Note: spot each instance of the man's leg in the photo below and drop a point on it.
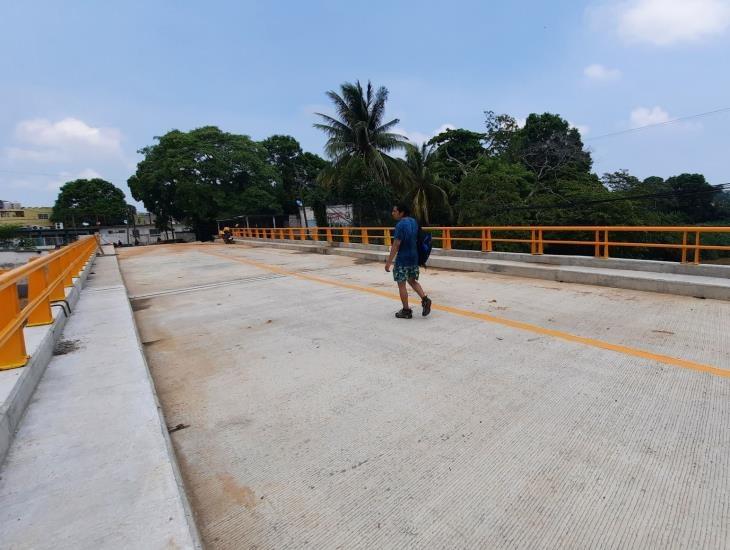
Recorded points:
(403, 290)
(417, 287)
(425, 300)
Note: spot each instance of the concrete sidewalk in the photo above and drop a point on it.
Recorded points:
(90, 466)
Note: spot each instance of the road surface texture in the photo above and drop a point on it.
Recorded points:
(520, 414)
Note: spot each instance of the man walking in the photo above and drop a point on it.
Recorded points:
(405, 252)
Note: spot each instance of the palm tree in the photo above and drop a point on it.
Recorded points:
(425, 189)
(359, 134)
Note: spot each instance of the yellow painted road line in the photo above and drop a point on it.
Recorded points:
(528, 327)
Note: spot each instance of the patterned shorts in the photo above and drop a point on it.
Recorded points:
(401, 274)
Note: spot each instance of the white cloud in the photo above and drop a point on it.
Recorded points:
(64, 177)
(643, 116)
(665, 22)
(601, 73)
(68, 133)
(417, 138)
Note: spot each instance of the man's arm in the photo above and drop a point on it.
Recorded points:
(393, 252)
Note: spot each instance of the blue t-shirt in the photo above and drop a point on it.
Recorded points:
(406, 231)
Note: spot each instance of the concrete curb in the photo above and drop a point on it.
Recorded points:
(14, 406)
(703, 281)
(175, 466)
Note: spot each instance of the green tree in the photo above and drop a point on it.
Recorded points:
(550, 148)
(358, 135)
(501, 131)
(492, 193)
(694, 197)
(457, 151)
(92, 201)
(10, 231)
(425, 189)
(204, 175)
(298, 170)
(620, 180)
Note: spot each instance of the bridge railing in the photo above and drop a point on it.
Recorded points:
(601, 239)
(46, 278)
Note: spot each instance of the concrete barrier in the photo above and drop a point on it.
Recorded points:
(17, 385)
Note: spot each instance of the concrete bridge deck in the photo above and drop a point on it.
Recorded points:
(521, 414)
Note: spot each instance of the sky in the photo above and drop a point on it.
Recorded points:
(85, 84)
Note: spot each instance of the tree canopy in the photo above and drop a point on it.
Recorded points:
(91, 201)
(359, 134)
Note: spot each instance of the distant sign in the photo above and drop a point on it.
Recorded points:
(339, 214)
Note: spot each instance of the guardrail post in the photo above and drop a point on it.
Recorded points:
(291, 233)
(489, 240)
(697, 247)
(533, 244)
(37, 284)
(54, 272)
(684, 247)
(597, 243)
(364, 236)
(68, 280)
(302, 236)
(328, 234)
(346, 234)
(447, 239)
(484, 240)
(539, 241)
(12, 351)
(387, 237)
(605, 243)
(315, 233)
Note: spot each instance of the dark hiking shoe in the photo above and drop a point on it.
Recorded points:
(405, 314)
(426, 303)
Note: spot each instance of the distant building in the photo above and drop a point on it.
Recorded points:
(144, 218)
(144, 233)
(31, 217)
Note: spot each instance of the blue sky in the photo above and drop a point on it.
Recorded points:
(83, 85)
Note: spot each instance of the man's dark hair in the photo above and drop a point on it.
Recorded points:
(403, 208)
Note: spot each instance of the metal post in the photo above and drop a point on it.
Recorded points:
(697, 247)
(37, 284)
(533, 244)
(12, 352)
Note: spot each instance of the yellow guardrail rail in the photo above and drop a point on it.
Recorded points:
(601, 238)
(46, 277)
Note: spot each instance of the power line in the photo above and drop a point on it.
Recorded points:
(666, 122)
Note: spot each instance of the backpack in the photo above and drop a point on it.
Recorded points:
(424, 246)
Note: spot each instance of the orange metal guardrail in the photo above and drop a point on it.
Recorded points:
(47, 277)
(601, 238)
